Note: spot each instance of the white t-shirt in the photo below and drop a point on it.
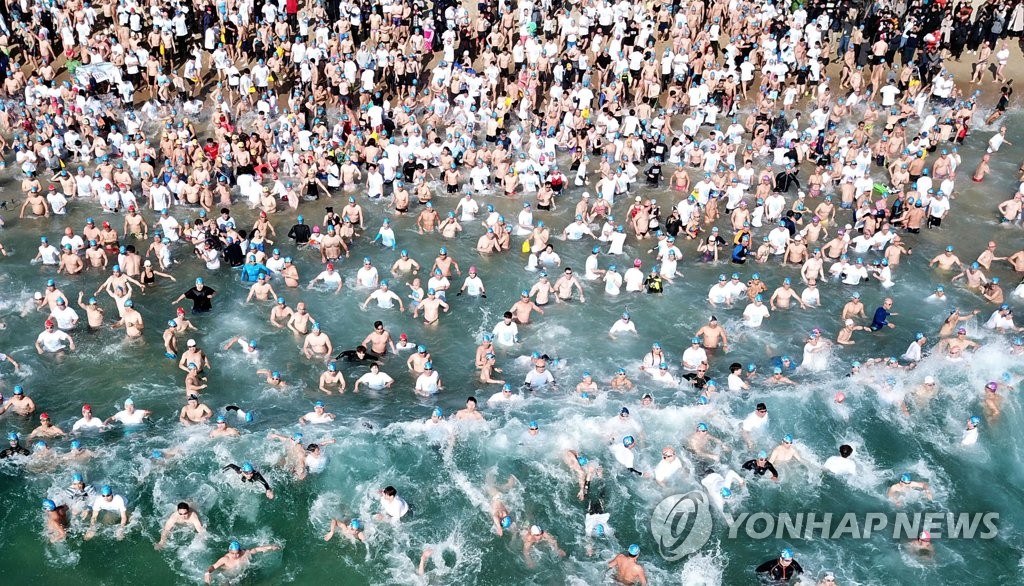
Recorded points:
(754, 422)
(115, 504)
(134, 418)
(754, 314)
(377, 380)
(314, 417)
(396, 508)
(840, 465)
(53, 341)
(623, 455)
(666, 468)
(91, 423)
(505, 334)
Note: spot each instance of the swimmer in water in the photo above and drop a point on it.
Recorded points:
(970, 435)
(108, 502)
(182, 515)
(57, 520)
(248, 474)
(922, 547)
(353, 530)
(627, 569)
(785, 452)
(236, 559)
(535, 536)
(904, 486)
(782, 569)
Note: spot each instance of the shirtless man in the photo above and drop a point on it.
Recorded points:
(566, 283)
(947, 260)
(317, 344)
(223, 429)
(784, 296)
(845, 336)
(430, 307)
(290, 273)
(522, 309)
(332, 377)
(279, 313)
(469, 413)
(713, 335)
(182, 515)
(853, 308)
(404, 264)
(194, 412)
(535, 536)
(300, 321)
(236, 559)
(427, 219)
(131, 320)
(93, 313)
(543, 290)
(379, 340)
(261, 289)
(627, 569)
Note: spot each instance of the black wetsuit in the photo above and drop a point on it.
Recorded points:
(353, 356)
(300, 233)
(779, 572)
(13, 451)
(256, 476)
(760, 470)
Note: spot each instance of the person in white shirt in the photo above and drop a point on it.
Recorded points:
(854, 274)
(613, 281)
(65, 317)
(539, 377)
(719, 487)
(668, 467)
(506, 332)
(473, 285)
(694, 356)
(970, 436)
(755, 313)
(129, 415)
(108, 501)
(504, 397)
(87, 421)
(317, 416)
(385, 298)
(755, 421)
(53, 340)
(375, 379)
(428, 383)
(394, 506)
(623, 325)
(842, 464)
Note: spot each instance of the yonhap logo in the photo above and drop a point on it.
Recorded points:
(681, 524)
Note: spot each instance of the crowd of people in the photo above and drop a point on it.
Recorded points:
(822, 137)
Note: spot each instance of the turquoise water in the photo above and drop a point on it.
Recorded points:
(381, 439)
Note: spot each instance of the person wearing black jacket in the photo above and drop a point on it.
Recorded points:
(300, 233)
(782, 569)
(246, 473)
(760, 465)
(15, 448)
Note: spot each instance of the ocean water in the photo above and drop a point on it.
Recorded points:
(381, 440)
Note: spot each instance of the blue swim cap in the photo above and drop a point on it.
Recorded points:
(762, 455)
(12, 436)
(599, 530)
(333, 366)
(582, 460)
(975, 420)
(702, 426)
(221, 419)
(297, 436)
(280, 300)
(663, 365)
(40, 444)
(106, 491)
(356, 524)
(787, 554)
(702, 400)
(234, 546)
(506, 522)
(584, 395)
(788, 438)
(247, 467)
(438, 412)
(428, 365)
(318, 404)
(534, 425)
(695, 340)
(634, 550)
(906, 478)
(299, 219)
(49, 505)
(595, 250)
(628, 441)
(726, 493)
(75, 444)
(172, 323)
(77, 477)
(19, 390)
